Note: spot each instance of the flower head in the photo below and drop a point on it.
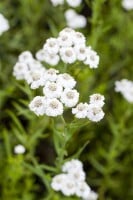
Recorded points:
(4, 24)
(38, 105)
(95, 113)
(19, 149)
(70, 97)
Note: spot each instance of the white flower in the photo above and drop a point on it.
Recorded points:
(66, 80)
(77, 174)
(19, 149)
(97, 99)
(68, 55)
(74, 20)
(127, 4)
(51, 59)
(92, 58)
(4, 24)
(81, 110)
(20, 69)
(57, 2)
(73, 164)
(92, 196)
(82, 190)
(80, 52)
(68, 187)
(35, 78)
(40, 55)
(69, 14)
(65, 39)
(78, 39)
(52, 90)
(25, 57)
(74, 3)
(95, 113)
(70, 97)
(126, 88)
(38, 105)
(51, 46)
(51, 74)
(54, 107)
(58, 181)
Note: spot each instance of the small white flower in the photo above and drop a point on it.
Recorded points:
(74, 3)
(92, 59)
(52, 59)
(58, 181)
(97, 99)
(80, 52)
(77, 174)
(54, 107)
(68, 187)
(81, 110)
(78, 39)
(25, 57)
(4, 24)
(20, 69)
(38, 105)
(35, 78)
(70, 97)
(92, 196)
(82, 189)
(73, 164)
(41, 54)
(66, 80)
(51, 46)
(51, 74)
(74, 20)
(52, 90)
(19, 149)
(69, 14)
(68, 55)
(127, 4)
(126, 88)
(57, 2)
(95, 113)
(65, 39)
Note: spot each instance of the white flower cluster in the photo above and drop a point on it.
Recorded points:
(69, 46)
(74, 20)
(93, 111)
(4, 25)
(127, 4)
(58, 90)
(29, 69)
(125, 87)
(72, 3)
(72, 181)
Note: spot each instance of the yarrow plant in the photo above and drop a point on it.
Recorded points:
(125, 87)
(4, 24)
(72, 181)
(59, 94)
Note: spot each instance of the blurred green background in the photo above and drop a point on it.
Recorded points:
(108, 155)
